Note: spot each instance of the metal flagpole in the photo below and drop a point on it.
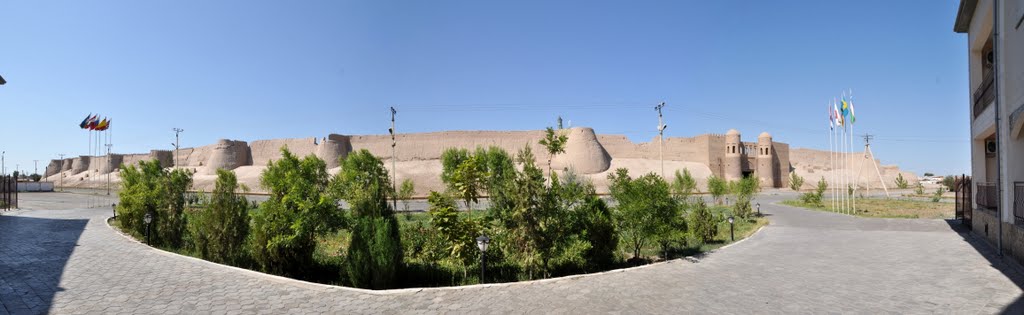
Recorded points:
(856, 177)
(842, 150)
(832, 153)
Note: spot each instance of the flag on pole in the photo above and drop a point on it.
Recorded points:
(845, 107)
(93, 124)
(102, 125)
(853, 119)
(85, 122)
(831, 117)
(835, 111)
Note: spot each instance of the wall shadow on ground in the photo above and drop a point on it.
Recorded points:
(1012, 270)
(33, 256)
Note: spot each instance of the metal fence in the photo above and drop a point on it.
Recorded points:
(1018, 202)
(8, 192)
(986, 196)
(964, 202)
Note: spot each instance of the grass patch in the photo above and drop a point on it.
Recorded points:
(890, 208)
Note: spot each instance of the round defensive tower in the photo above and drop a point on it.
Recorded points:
(166, 157)
(332, 150)
(80, 164)
(68, 162)
(583, 153)
(227, 154)
(732, 165)
(111, 162)
(765, 167)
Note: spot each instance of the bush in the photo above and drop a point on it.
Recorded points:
(219, 231)
(938, 194)
(458, 233)
(284, 228)
(152, 189)
(795, 181)
(702, 223)
(814, 198)
(375, 254)
(900, 182)
(919, 189)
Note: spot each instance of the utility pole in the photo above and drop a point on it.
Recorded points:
(36, 162)
(177, 144)
(868, 153)
(394, 170)
(661, 137)
(108, 163)
(3, 163)
(61, 171)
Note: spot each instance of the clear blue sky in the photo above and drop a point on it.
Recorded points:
(252, 70)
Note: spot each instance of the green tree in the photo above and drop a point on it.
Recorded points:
(701, 222)
(683, 185)
(375, 252)
(451, 158)
(900, 182)
(554, 142)
(919, 189)
(405, 193)
(717, 187)
(219, 231)
(468, 180)
(950, 182)
(928, 174)
(745, 189)
(152, 189)
(284, 228)
(646, 210)
(795, 181)
(457, 232)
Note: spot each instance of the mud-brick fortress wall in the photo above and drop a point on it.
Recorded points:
(586, 151)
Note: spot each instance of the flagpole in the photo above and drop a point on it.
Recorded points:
(842, 192)
(831, 127)
(857, 177)
(832, 157)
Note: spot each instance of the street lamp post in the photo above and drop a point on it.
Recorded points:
(61, 170)
(732, 236)
(148, 218)
(177, 145)
(481, 243)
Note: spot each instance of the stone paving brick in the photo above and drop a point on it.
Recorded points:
(65, 260)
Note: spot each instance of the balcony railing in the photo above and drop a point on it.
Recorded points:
(983, 96)
(986, 196)
(1018, 202)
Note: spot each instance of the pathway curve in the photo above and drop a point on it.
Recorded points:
(61, 258)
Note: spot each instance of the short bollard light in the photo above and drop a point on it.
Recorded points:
(732, 236)
(481, 243)
(148, 218)
(113, 207)
(758, 209)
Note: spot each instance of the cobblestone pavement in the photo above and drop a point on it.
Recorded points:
(62, 258)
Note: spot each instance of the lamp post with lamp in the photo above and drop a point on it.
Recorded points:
(148, 218)
(481, 243)
(732, 236)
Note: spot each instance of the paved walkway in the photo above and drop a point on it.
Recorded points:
(64, 259)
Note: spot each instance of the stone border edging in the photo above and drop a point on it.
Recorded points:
(328, 287)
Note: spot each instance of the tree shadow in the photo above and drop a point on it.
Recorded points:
(1010, 269)
(33, 256)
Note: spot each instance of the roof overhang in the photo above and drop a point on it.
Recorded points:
(964, 16)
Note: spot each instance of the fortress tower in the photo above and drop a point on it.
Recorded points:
(732, 164)
(765, 167)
